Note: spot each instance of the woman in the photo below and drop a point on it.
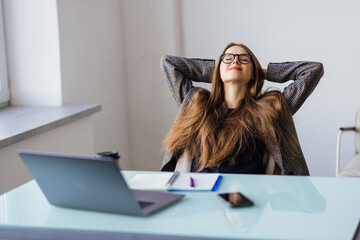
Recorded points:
(236, 128)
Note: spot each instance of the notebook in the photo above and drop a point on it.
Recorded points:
(183, 182)
(90, 183)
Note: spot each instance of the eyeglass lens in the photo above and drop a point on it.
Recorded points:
(229, 58)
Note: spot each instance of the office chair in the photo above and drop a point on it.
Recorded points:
(352, 167)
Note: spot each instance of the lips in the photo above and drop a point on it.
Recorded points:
(235, 68)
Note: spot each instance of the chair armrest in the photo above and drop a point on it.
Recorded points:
(347, 129)
(338, 147)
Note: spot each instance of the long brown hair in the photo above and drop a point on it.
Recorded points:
(204, 128)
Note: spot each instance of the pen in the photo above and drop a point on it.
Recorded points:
(172, 179)
(192, 183)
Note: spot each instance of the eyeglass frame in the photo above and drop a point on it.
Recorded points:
(234, 56)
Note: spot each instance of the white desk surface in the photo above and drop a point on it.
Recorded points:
(286, 207)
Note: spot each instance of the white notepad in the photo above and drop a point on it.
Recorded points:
(157, 181)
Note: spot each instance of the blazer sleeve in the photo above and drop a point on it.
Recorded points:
(180, 72)
(306, 76)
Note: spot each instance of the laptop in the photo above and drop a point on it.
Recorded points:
(91, 183)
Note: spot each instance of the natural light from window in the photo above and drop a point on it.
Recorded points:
(4, 89)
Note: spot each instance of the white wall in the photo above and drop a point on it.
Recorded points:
(33, 52)
(151, 29)
(92, 68)
(4, 86)
(68, 52)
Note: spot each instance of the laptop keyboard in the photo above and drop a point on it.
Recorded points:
(144, 204)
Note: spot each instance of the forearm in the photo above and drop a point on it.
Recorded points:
(179, 74)
(306, 76)
(194, 69)
(283, 72)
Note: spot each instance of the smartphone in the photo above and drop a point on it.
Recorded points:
(236, 199)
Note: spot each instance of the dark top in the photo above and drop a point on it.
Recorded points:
(248, 160)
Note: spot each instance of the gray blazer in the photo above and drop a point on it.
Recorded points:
(180, 73)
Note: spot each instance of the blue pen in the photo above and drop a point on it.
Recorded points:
(192, 183)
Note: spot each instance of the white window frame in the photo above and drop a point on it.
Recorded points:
(4, 86)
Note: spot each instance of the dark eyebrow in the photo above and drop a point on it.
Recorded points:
(237, 54)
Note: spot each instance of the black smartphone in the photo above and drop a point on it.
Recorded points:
(235, 199)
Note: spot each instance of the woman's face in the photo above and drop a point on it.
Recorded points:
(236, 70)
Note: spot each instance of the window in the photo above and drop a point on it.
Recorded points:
(4, 87)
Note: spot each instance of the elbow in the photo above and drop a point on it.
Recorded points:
(165, 60)
(319, 69)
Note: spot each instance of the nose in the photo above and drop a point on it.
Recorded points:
(236, 60)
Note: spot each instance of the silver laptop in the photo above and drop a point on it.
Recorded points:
(90, 183)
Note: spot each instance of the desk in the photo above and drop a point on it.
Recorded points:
(286, 207)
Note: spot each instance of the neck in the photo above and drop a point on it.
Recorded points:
(234, 93)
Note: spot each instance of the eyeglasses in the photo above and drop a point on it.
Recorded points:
(229, 58)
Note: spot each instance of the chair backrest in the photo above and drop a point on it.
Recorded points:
(357, 133)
